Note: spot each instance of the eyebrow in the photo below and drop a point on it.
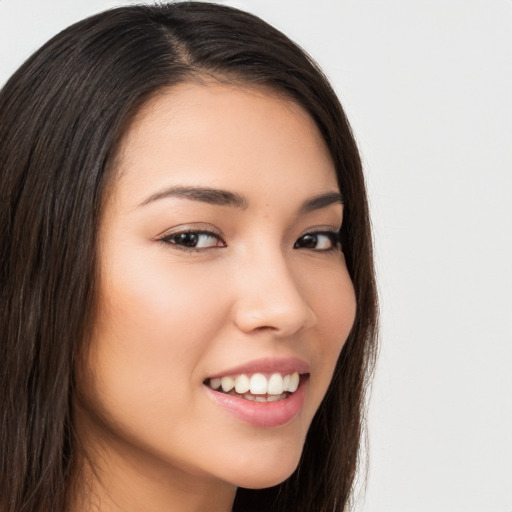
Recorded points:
(203, 194)
(320, 201)
(221, 197)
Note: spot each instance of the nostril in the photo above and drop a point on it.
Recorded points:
(265, 328)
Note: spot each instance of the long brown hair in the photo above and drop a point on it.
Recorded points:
(61, 117)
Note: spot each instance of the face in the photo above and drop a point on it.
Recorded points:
(224, 297)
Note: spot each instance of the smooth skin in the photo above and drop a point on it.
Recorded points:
(191, 286)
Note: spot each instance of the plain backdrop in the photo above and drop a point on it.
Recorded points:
(427, 86)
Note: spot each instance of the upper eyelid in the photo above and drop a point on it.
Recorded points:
(322, 229)
(166, 240)
(169, 236)
(206, 229)
(335, 232)
(217, 233)
(192, 231)
(187, 228)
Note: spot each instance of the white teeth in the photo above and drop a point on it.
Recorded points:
(228, 383)
(215, 383)
(258, 384)
(275, 384)
(242, 384)
(294, 382)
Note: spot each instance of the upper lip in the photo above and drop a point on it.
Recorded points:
(285, 366)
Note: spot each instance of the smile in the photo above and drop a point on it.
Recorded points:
(266, 392)
(257, 387)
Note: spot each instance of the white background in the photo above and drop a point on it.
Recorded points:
(428, 88)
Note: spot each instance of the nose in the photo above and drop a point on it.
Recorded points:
(270, 298)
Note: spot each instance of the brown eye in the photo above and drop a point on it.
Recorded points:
(319, 241)
(194, 239)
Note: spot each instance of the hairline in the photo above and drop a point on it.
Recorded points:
(196, 75)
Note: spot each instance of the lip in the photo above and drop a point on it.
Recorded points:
(267, 365)
(262, 414)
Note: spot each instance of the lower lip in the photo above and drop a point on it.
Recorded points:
(263, 414)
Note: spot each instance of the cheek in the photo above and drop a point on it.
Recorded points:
(161, 300)
(148, 340)
(334, 304)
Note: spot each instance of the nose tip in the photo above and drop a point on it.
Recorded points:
(273, 302)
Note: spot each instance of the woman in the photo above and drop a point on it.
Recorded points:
(184, 324)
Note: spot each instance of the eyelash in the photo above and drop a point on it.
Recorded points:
(171, 239)
(333, 237)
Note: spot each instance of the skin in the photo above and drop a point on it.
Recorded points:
(170, 317)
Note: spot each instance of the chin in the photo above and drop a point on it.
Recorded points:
(262, 481)
(267, 473)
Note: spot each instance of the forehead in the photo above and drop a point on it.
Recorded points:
(225, 136)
